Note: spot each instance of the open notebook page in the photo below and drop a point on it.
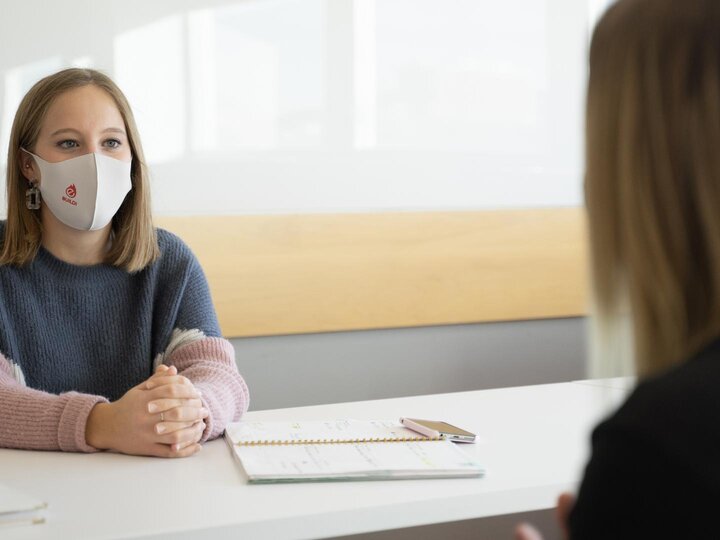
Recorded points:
(424, 459)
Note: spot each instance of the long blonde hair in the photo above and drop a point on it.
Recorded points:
(653, 174)
(135, 242)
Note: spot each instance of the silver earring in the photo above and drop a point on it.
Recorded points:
(32, 196)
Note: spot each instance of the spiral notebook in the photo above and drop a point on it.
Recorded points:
(345, 449)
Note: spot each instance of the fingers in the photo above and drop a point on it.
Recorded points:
(170, 427)
(525, 531)
(162, 405)
(163, 369)
(180, 415)
(185, 452)
(164, 379)
(173, 391)
(165, 451)
(182, 438)
(565, 503)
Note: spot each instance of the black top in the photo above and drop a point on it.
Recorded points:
(655, 465)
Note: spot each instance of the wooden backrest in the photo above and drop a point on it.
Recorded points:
(288, 274)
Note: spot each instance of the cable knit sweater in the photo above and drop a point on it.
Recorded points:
(73, 336)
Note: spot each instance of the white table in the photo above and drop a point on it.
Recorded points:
(533, 442)
(621, 383)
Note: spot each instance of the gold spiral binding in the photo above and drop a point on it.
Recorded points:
(281, 442)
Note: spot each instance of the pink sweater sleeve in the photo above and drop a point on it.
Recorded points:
(210, 364)
(35, 420)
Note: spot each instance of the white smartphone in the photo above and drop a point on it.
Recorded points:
(434, 428)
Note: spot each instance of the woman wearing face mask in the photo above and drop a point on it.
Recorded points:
(108, 337)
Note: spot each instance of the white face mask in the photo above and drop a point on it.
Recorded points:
(84, 192)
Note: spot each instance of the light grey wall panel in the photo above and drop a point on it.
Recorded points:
(291, 371)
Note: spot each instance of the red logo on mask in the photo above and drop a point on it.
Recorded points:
(71, 191)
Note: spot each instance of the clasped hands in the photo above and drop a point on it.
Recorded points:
(162, 416)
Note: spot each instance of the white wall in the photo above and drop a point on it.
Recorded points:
(310, 369)
(329, 105)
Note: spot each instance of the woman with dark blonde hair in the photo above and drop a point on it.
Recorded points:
(653, 199)
(108, 336)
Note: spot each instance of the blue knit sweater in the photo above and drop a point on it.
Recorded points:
(97, 329)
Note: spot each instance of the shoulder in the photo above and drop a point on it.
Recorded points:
(173, 250)
(654, 465)
(674, 414)
(176, 261)
(681, 392)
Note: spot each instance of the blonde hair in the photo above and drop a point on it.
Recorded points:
(653, 174)
(135, 243)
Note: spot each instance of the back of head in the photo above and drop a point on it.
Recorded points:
(653, 173)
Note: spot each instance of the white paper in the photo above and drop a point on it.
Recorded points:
(424, 459)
